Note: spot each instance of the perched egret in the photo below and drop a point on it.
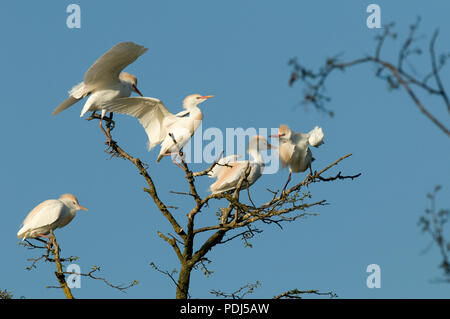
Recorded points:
(161, 126)
(49, 215)
(229, 171)
(104, 81)
(294, 148)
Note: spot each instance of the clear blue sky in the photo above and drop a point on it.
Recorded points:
(238, 51)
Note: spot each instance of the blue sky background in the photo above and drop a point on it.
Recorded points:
(238, 51)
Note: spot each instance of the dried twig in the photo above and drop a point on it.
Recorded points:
(52, 249)
(239, 293)
(296, 294)
(393, 73)
(433, 223)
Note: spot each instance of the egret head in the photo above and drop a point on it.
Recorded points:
(284, 133)
(71, 201)
(194, 99)
(130, 79)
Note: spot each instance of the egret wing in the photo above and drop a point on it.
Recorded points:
(182, 113)
(151, 113)
(221, 164)
(286, 150)
(107, 68)
(64, 105)
(46, 213)
(315, 137)
(78, 92)
(229, 177)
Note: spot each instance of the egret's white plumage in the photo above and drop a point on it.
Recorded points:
(49, 215)
(159, 122)
(104, 81)
(231, 171)
(294, 147)
(221, 164)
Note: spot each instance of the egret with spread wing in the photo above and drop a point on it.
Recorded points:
(294, 148)
(104, 81)
(49, 215)
(230, 171)
(172, 131)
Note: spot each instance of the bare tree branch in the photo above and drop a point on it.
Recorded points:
(239, 293)
(296, 294)
(52, 248)
(90, 274)
(433, 223)
(396, 77)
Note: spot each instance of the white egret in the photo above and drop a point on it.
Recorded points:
(163, 127)
(294, 148)
(104, 81)
(49, 215)
(230, 171)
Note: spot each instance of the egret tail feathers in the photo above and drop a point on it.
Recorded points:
(78, 92)
(64, 105)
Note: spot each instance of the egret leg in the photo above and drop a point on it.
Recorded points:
(166, 154)
(111, 123)
(173, 159)
(53, 240)
(104, 131)
(177, 164)
(289, 179)
(170, 154)
(101, 126)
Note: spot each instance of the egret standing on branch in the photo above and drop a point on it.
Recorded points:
(294, 148)
(49, 215)
(229, 171)
(104, 81)
(172, 131)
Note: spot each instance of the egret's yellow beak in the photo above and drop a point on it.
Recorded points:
(81, 207)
